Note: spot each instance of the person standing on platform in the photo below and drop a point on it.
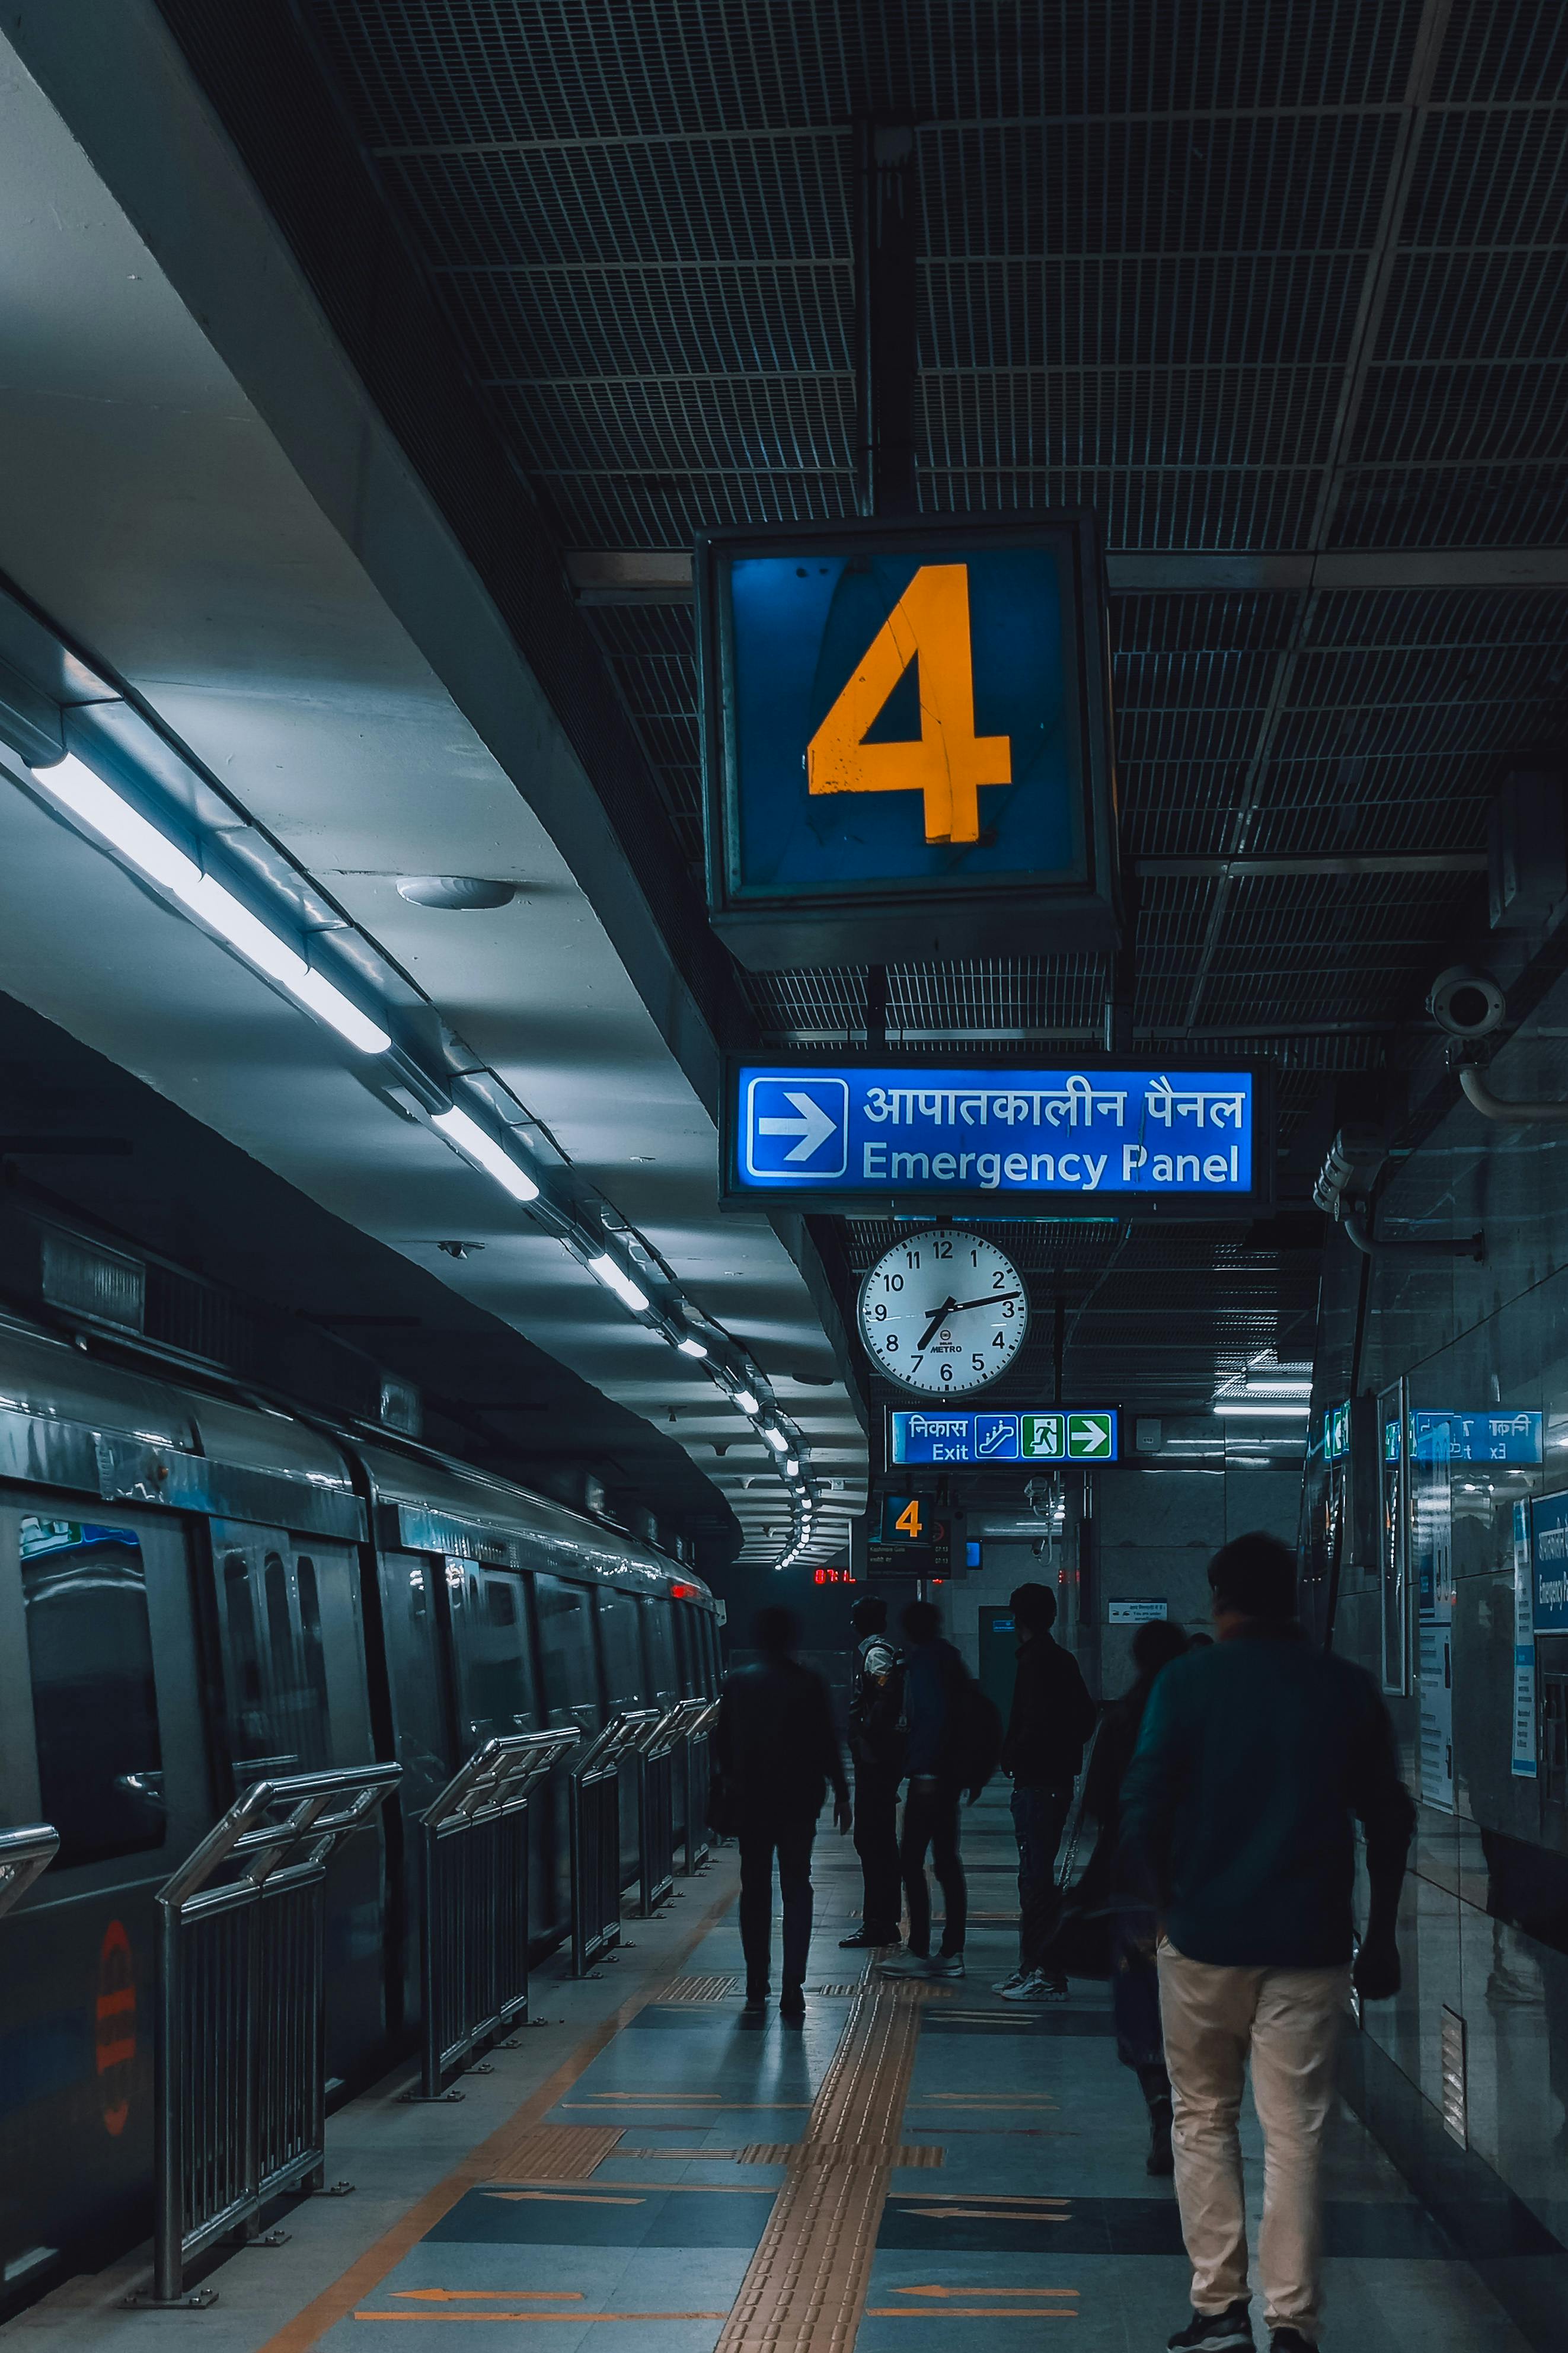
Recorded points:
(775, 1755)
(1134, 1980)
(877, 1749)
(1052, 1717)
(1236, 1813)
(943, 1707)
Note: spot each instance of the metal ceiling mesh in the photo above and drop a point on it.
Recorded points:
(1186, 261)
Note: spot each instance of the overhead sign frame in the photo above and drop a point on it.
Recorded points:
(978, 1438)
(832, 1183)
(807, 863)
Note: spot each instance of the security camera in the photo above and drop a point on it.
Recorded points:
(1466, 1003)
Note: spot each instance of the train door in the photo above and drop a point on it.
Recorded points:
(419, 1688)
(625, 1676)
(663, 1682)
(291, 1637)
(493, 1649)
(568, 1694)
(100, 1732)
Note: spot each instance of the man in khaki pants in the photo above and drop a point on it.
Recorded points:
(1237, 1815)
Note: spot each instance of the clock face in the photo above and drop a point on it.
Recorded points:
(944, 1312)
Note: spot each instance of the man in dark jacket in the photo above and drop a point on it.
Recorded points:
(777, 1753)
(934, 1676)
(877, 1745)
(1052, 1717)
(1236, 1813)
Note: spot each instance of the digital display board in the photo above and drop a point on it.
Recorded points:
(1187, 1140)
(907, 738)
(1036, 1434)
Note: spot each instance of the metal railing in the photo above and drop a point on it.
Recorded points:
(697, 1848)
(594, 1779)
(474, 1912)
(24, 1854)
(240, 2112)
(656, 1797)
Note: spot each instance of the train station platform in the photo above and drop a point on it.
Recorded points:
(918, 2167)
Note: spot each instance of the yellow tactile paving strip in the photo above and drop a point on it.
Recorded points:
(805, 2288)
(559, 2153)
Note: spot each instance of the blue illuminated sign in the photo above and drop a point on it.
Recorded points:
(1026, 1434)
(907, 727)
(1186, 1136)
(1493, 1437)
(1549, 1522)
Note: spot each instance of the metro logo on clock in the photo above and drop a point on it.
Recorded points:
(944, 1312)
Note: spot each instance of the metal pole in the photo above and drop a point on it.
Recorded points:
(168, 2121)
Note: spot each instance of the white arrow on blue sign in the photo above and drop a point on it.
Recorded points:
(797, 1126)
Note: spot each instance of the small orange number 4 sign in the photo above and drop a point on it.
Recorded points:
(948, 762)
(909, 1519)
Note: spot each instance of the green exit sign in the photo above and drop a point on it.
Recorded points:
(1067, 1436)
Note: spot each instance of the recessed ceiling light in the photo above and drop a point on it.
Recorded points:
(455, 894)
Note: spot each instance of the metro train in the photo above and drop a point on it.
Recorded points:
(197, 1591)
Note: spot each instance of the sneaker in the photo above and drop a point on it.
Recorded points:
(1010, 1985)
(1215, 2332)
(756, 1998)
(1036, 1990)
(905, 1964)
(792, 2002)
(1291, 2340)
(946, 1965)
(866, 1936)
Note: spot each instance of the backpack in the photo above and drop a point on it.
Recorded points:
(877, 1717)
(976, 1735)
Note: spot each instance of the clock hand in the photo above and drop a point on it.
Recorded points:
(934, 1326)
(991, 1299)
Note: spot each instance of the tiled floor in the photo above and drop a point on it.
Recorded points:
(733, 2212)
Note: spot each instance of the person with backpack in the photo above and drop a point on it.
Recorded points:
(1134, 1980)
(877, 1746)
(1052, 1717)
(953, 1736)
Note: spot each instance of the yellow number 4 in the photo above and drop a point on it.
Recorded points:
(950, 761)
(909, 1519)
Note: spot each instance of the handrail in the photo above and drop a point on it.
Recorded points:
(499, 1777)
(239, 2113)
(1478, 1093)
(310, 1824)
(620, 1735)
(24, 1853)
(1357, 1232)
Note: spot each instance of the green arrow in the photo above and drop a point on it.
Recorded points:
(1089, 1433)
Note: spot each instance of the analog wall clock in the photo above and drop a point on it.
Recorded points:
(944, 1312)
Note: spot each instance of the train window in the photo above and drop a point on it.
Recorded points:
(566, 1652)
(419, 1691)
(685, 1638)
(621, 1652)
(279, 1711)
(95, 1710)
(492, 1637)
(658, 1639)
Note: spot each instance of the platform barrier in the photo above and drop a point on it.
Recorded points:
(695, 1764)
(594, 1779)
(661, 1755)
(24, 1853)
(474, 1924)
(239, 2108)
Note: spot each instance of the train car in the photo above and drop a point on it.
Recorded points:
(198, 1590)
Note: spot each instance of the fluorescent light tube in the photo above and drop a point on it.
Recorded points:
(74, 785)
(746, 1402)
(791, 1467)
(476, 1143)
(615, 1278)
(1261, 1386)
(777, 1440)
(1262, 1412)
(689, 1347)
